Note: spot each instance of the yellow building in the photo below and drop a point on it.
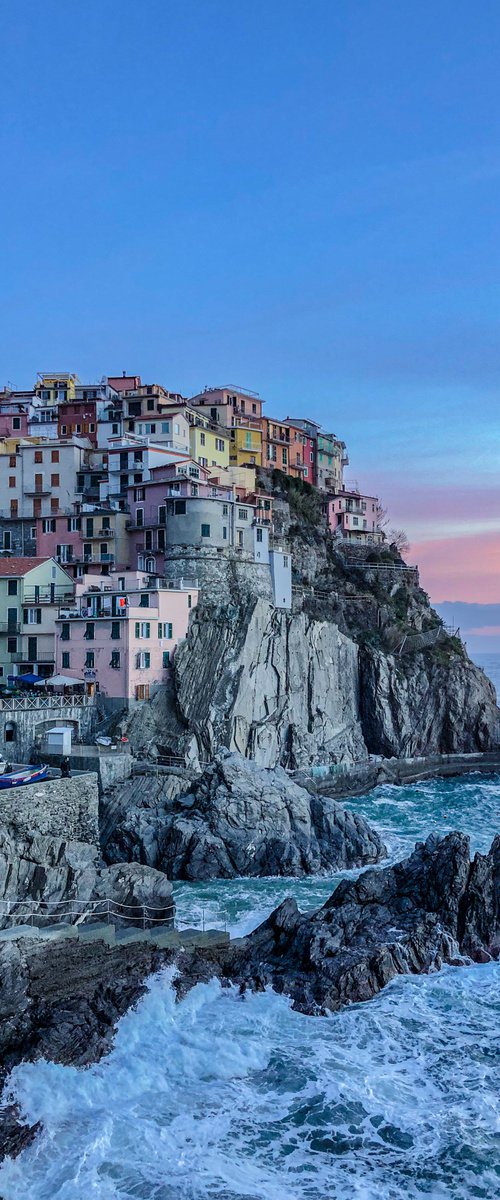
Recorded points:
(208, 444)
(56, 388)
(246, 444)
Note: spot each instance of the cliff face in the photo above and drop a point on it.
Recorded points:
(287, 689)
(419, 704)
(361, 665)
(276, 687)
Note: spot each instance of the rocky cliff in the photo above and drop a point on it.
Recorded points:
(361, 665)
(237, 819)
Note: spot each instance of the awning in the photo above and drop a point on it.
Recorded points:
(24, 678)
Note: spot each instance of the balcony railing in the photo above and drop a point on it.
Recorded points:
(101, 534)
(10, 627)
(47, 595)
(52, 701)
(22, 657)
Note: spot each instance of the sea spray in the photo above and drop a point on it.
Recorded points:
(221, 1096)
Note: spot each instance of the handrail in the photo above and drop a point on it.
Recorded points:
(28, 911)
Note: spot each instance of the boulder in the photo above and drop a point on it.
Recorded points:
(242, 819)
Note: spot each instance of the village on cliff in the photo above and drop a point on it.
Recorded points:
(121, 501)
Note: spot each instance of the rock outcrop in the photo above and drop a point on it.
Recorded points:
(419, 705)
(242, 819)
(52, 871)
(433, 907)
(295, 688)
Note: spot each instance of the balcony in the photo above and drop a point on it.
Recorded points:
(22, 657)
(53, 594)
(39, 491)
(92, 559)
(10, 627)
(104, 534)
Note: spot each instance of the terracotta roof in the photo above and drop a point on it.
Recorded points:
(19, 566)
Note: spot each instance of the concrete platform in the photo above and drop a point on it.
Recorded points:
(97, 933)
(18, 931)
(130, 934)
(164, 937)
(51, 933)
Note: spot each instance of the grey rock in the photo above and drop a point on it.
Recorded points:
(53, 871)
(434, 907)
(243, 819)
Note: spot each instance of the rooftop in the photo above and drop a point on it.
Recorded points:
(13, 567)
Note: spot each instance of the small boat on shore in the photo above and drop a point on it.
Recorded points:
(27, 775)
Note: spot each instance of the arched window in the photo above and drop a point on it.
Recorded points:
(10, 731)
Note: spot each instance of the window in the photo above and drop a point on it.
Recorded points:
(194, 489)
(144, 601)
(89, 631)
(64, 429)
(162, 514)
(12, 588)
(143, 660)
(54, 506)
(224, 532)
(219, 444)
(16, 422)
(139, 517)
(239, 538)
(165, 426)
(142, 629)
(115, 660)
(12, 645)
(39, 456)
(65, 659)
(166, 658)
(92, 427)
(161, 539)
(203, 462)
(284, 456)
(205, 531)
(203, 439)
(285, 560)
(259, 535)
(10, 732)
(115, 631)
(54, 480)
(74, 523)
(12, 481)
(148, 540)
(254, 408)
(142, 691)
(225, 510)
(150, 405)
(90, 659)
(139, 493)
(168, 630)
(65, 633)
(14, 505)
(355, 521)
(179, 507)
(32, 616)
(189, 601)
(12, 460)
(54, 456)
(7, 540)
(242, 514)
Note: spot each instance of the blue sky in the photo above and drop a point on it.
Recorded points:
(298, 197)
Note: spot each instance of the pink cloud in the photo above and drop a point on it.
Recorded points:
(460, 568)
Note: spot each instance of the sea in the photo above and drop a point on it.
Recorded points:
(223, 1097)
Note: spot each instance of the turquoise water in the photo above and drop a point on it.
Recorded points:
(225, 1098)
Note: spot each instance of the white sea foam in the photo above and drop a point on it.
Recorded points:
(247, 1100)
(224, 1098)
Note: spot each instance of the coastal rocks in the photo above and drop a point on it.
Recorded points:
(433, 907)
(55, 872)
(276, 687)
(420, 705)
(242, 819)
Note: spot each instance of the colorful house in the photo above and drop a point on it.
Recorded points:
(31, 590)
(121, 634)
(288, 448)
(354, 517)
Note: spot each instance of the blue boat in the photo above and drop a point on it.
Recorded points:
(26, 775)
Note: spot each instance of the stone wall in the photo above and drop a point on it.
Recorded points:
(29, 726)
(220, 574)
(66, 808)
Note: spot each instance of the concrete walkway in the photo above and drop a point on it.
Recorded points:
(163, 936)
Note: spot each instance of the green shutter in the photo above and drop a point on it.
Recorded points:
(137, 629)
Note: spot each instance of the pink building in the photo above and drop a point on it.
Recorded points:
(13, 419)
(122, 634)
(354, 517)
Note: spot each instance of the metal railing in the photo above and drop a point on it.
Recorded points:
(35, 703)
(41, 913)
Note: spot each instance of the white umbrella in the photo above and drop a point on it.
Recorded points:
(59, 681)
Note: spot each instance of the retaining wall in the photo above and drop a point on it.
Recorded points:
(66, 808)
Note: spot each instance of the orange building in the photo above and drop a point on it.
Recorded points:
(287, 448)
